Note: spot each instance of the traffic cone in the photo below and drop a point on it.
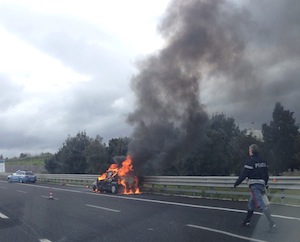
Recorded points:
(50, 193)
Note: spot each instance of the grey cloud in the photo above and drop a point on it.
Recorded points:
(84, 106)
(10, 93)
(82, 46)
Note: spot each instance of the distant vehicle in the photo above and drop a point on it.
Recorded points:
(22, 177)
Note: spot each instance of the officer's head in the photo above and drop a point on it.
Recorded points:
(253, 149)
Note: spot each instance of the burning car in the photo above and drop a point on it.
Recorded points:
(118, 179)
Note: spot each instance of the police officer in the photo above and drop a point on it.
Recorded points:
(256, 170)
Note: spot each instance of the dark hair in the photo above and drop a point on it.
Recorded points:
(254, 148)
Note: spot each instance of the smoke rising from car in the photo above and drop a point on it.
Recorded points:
(216, 48)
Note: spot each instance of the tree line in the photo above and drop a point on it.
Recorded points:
(223, 153)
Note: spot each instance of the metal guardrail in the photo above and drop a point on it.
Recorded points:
(280, 187)
(278, 182)
(275, 182)
(82, 179)
(194, 184)
(65, 177)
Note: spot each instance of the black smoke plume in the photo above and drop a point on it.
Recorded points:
(207, 43)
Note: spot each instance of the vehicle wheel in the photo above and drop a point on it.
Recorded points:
(113, 189)
(8, 180)
(100, 186)
(21, 180)
(121, 189)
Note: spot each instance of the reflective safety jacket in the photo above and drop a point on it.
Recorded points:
(256, 170)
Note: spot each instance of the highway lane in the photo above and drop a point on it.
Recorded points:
(77, 214)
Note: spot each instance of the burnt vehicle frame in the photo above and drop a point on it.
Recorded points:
(111, 182)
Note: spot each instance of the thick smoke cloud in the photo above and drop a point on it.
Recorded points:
(216, 53)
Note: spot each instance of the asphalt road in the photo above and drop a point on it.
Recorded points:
(27, 213)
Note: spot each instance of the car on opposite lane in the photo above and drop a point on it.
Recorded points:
(22, 177)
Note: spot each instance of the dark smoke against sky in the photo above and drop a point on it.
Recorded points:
(219, 57)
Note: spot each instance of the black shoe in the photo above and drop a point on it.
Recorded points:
(246, 223)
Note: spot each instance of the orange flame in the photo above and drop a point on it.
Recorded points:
(126, 177)
(113, 167)
(127, 167)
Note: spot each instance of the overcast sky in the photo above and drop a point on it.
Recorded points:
(66, 66)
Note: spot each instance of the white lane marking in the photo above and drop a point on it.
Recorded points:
(4, 187)
(45, 240)
(54, 198)
(283, 217)
(225, 233)
(108, 209)
(60, 189)
(199, 206)
(21, 191)
(3, 216)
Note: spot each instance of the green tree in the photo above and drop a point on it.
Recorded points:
(118, 147)
(280, 138)
(52, 164)
(297, 154)
(23, 155)
(221, 150)
(71, 157)
(96, 156)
